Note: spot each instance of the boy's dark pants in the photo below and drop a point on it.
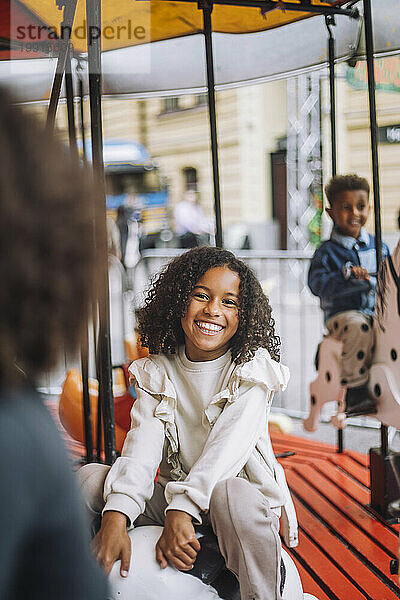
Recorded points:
(246, 528)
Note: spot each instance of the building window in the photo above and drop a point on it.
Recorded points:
(170, 104)
(201, 99)
(190, 178)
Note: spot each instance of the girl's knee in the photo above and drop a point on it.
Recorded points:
(233, 496)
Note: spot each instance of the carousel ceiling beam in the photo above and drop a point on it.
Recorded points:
(298, 7)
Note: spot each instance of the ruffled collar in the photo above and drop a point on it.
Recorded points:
(203, 366)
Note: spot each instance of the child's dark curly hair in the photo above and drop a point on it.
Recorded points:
(159, 321)
(345, 183)
(47, 268)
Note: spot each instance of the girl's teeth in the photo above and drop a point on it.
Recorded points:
(209, 328)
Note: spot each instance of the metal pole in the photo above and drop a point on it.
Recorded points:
(87, 417)
(94, 303)
(207, 6)
(69, 89)
(329, 21)
(66, 28)
(93, 12)
(331, 53)
(369, 47)
(84, 157)
(87, 412)
(82, 117)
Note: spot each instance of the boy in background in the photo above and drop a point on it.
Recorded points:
(341, 275)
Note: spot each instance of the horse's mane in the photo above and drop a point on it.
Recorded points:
(387, 270)
(381, 289)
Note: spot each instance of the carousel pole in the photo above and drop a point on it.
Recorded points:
(329, 22)
(93, 12)
(206, 6)
(87, 412)
(385, 489)
(66, 26)
(369, 45)
(69, 89)
(85, 345)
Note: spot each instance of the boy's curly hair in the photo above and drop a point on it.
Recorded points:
(159, 321)
(345, 183)
(46, 243)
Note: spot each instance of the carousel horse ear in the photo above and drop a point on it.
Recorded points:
(147, 581)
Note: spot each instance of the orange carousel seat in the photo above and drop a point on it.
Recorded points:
(71, 400)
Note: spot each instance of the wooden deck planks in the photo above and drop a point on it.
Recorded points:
(353, 468)
(351, 509)
(340, 524)
(323, 571)
(341, 543)
(340, 555)
(309, 582)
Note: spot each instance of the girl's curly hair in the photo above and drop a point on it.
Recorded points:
(159, 321)
(47, 268)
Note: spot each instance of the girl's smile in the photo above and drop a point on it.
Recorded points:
(211, 319)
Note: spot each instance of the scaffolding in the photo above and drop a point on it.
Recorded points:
(304, 164)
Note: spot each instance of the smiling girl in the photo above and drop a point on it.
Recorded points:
(201, 416)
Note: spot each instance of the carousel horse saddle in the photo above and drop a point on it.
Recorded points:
(211, 569)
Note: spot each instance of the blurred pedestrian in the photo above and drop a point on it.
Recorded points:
(113, 238)
(122, 224)
(46, 273)
(191, 224)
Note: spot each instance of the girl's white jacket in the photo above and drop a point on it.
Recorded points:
(236, 441)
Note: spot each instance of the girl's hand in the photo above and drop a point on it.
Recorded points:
(112, 542)
(360, 273)
(178, 544)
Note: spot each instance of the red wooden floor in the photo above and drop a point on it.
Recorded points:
(344, 551)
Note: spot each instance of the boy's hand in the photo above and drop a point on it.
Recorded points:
(178, 544)
(360, 273)
(112, 542)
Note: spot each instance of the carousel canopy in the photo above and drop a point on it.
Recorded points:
(156, 65)
(134, 22)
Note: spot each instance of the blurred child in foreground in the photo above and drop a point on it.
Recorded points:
(46, 273)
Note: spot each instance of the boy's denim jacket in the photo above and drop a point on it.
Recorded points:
(330, 278)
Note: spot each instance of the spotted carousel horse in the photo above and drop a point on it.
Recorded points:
(384, 377)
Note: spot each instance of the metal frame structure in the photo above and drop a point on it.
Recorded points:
(330, 21)
(303, 155)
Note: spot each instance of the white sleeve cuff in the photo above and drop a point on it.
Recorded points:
(346, 270)
(123, 504)
(184, 503)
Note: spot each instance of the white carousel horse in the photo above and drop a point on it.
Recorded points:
(147, 581)
(384, 378)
